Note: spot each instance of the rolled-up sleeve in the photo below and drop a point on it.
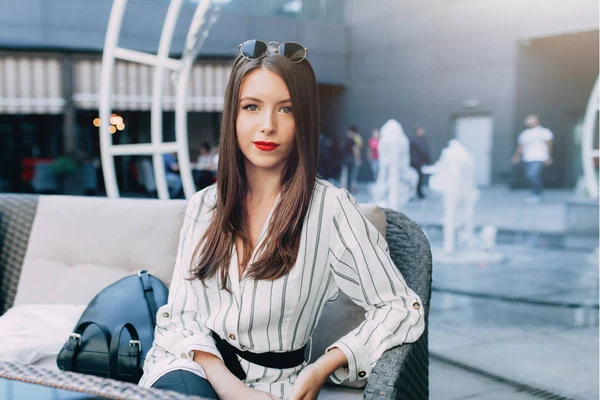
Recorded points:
(365, 272)
(179, 329)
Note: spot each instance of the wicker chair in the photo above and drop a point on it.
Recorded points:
(401, 373)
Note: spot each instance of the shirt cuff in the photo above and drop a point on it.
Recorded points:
(200, 342)
(358, 365)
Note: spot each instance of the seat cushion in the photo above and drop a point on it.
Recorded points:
(32, 332)
(80, 245)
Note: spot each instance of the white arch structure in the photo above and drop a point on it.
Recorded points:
(205, 16)
(588, 151)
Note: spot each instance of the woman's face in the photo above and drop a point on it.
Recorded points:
(265, 126)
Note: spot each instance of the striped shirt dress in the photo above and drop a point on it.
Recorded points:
(340, 250)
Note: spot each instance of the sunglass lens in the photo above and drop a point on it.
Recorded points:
(253, 48)
(294, 51)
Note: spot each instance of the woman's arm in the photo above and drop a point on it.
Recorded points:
(227, 385)
(516, 158)
(363, 269)
(221, 379)
(178, 327)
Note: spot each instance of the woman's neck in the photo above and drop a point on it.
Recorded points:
(262, 184)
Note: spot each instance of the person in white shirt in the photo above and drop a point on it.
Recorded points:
(535, 150)
(263, 249)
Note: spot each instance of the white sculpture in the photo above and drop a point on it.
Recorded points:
(454, 178)
(396, 181)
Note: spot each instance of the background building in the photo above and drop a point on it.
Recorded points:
(461, 68)
(50, 61)
(441, 63)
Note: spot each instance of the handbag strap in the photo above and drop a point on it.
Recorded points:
(132, 365)
(149, 295)
(74, 343)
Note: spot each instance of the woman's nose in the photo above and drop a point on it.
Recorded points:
(268, 123)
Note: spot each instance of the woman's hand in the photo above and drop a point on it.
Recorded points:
(227, 386)
(247, 393)
(308, 383)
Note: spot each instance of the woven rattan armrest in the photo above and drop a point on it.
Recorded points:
(401, 373)
(88, 384)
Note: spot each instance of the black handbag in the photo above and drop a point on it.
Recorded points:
(116, 330)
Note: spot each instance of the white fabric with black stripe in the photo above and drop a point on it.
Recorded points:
(340, 250)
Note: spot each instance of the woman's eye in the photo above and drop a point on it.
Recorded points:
(250, 107)
(287, 110)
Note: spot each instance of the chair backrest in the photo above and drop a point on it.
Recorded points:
(410, 250)
(95, 240)
(17, 213)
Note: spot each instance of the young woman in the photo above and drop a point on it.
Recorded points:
(262, 251)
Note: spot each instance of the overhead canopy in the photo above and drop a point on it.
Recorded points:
(34, 85)
(30, 85)
(132, 90)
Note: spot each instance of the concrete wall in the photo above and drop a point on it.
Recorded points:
(419, 62)
(81, 25)
(555, 78)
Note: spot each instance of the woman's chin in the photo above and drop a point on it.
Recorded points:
(263, 164)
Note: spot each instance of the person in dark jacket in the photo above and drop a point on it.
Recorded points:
(419, 156)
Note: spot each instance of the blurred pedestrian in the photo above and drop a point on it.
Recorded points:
(323, 169)
(373, 153)
(172, 172)
(334, 164)
(206, 160)
(351, 153)
(534, 149)
(419, 156)
(204, 171)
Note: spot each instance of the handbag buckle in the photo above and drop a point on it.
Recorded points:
(135, 348)
(76, 337)
(136, 343)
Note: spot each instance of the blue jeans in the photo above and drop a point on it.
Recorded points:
(534, 171)
(174, 184)
(350, 163)
(187, 383)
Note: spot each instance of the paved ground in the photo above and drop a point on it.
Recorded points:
(498, 205)
(532, 319)
(517, 320)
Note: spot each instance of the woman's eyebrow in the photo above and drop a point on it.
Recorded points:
(260, 101)
(251, 98)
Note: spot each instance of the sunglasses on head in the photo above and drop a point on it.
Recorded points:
(252, 49)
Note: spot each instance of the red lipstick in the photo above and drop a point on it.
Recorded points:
(266, 146)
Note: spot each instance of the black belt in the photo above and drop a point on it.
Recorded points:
(288, 359)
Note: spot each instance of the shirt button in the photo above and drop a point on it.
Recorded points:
(184, 356)
(416, 305)
(362, 374)
(166, 314)
(231, 336)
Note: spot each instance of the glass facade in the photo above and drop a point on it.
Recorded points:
(331, 11)
(25, 138)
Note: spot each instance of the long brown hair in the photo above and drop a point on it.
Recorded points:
(280, 248)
